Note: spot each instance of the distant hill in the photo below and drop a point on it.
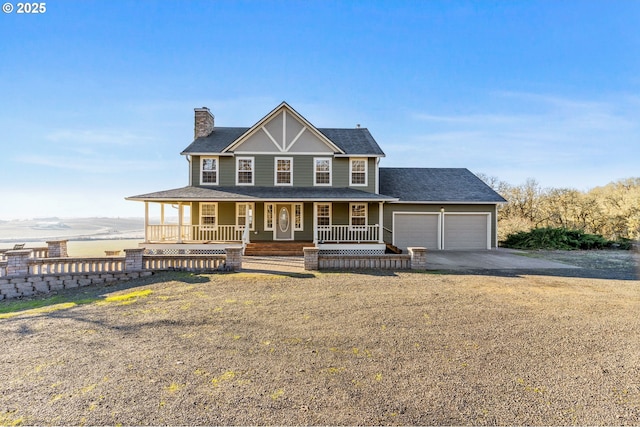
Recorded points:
(41, 229)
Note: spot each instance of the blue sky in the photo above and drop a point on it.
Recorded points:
(97, 97)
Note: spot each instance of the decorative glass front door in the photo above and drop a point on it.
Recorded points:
(283, 225)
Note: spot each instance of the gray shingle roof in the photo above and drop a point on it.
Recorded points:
(356, 141)
(217, 141)
(261, 193)
(353, 141)
(436, 185)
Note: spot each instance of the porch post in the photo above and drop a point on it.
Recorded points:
(315, 224)
(161, 213)
(180, 214)
(380, 221)
(146, 222)
(248, 221)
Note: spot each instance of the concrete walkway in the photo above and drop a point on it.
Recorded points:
(273, 264)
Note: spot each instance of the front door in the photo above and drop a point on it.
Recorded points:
(284, 222)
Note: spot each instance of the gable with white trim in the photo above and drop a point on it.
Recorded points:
(283, 131)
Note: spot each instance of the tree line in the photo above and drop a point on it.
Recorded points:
(612, 211)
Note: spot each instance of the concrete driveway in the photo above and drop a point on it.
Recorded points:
(496, 259)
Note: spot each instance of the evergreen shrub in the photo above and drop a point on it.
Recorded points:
(562, 239)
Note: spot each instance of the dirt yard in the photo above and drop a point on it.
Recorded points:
(329, 348)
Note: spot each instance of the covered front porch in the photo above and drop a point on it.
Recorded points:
(208, 219)
(209, 227)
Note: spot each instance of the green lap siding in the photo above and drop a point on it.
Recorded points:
(303, 171)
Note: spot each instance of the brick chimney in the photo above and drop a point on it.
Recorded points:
(203, 122)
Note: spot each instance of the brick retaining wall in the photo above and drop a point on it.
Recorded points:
(29, 285)
(416, 259)
(22, 275)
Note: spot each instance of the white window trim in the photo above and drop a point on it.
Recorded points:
(315, 213)
(275, 172)
(366, 215)
(216, 215)
(217, 159)
(253, 170)
(366, 171)
(315, 183)
(251, 206)
(273, 207)
(301, 228)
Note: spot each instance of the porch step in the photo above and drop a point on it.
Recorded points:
(276, 248)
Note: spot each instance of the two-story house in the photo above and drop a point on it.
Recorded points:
(284, 180)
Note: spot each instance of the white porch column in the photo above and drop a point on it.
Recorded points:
(380, 222)
(315, 224)
(180, 220)
(146, 222)
(246, 235)
(161, 213)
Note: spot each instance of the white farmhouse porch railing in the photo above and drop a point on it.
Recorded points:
(203, 233)
(347, 233)
(220, 233)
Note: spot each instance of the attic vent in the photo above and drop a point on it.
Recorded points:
(358, 126)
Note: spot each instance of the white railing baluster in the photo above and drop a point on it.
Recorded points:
(347, 233)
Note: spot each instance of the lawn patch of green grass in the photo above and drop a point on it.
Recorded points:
(44, 305)
(130, 297)
(63, 302)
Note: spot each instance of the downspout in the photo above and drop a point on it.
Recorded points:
(441, 228)
(188, 158)
(377, 177)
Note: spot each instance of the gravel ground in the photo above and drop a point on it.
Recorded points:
(329, 348)
(605, 264)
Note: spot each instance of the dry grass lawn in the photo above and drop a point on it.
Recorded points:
(332, 348)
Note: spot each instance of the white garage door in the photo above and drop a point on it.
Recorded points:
(466, 231)
(415, 230)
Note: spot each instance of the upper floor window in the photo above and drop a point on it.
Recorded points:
(358, 172)
(245, 170)
(209, 171)
(322, 171)
(284, 171)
